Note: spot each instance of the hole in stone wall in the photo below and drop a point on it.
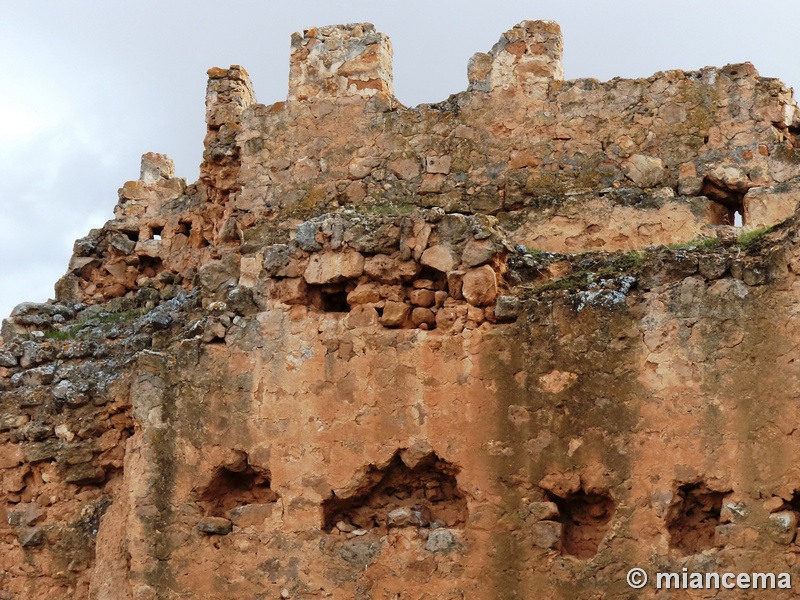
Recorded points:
(334, 301)
(157, 230)
(150, 266)
(236, 485)
(727, 205)
(132, 235)
(426, 495)
(693, 518)
(184, 227)
(794, 502)
(438, 278)
(584, 518)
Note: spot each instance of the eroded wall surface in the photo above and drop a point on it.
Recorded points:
(381, 352)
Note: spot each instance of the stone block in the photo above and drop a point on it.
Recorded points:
(546, 534)
(333, 267)
(440, 257)
(214, 526)
(395, 313)
(480, 286)
(507, 309)
(645, 171)
(390, 269)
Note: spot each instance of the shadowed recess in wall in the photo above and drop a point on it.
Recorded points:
(585, 518)
(236, 485)
(410, 493)
(693, 518)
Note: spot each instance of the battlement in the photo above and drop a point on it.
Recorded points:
(340, 61)
(525, 60)
(562, 166)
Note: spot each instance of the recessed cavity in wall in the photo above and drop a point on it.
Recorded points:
(693, 517)
(726, 206)
(184, 227)
(235, 485)
(424, 494)
(150, 266)
(329, 298)
(585, 518)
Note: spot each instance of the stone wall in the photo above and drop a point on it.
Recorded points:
(431, 352)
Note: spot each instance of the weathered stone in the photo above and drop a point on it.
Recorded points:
(783, 526)
(767, 206)
(360, 554)
(361, 167)
(424, 298)
(439, 257)
(218, 275)
(333, 267)
(455, 284)
(645, 171)
(404, 168)
(280, 260)
(478, 252)
(395, 313)
(730, 177)
(438, 164)
(30, 537)
(214, 526)
(306, 237)
(41, 451)
(250, 515)
(364, 293)
(37, 376)
(420, 316)
(11, 455)
(7, 359)
(544, 511)
(507, 309)
(388, 269)
(25, 515)
(442, 540)
(689, 184)
(219, 383)
(121, 242)
(156, 167)
(480, 286)
(546, 534)
(713, 266)
(84, 474)
(362, 316)
(446, 318)
(431, 184)
(400, 517)
(356, 62)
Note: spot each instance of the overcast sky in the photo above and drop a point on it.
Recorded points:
(89, 86)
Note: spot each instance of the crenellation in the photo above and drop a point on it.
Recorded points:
(228, 94)
(577, 165)
(340, 61)
(525, 60)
